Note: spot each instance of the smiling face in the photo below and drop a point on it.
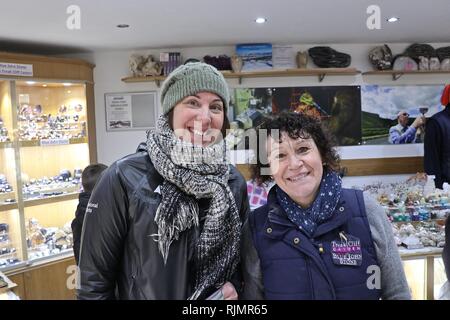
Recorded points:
(199, 118)
(296, 166)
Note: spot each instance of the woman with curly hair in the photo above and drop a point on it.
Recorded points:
(314, 239)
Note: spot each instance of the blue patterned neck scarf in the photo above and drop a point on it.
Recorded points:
(320, 210)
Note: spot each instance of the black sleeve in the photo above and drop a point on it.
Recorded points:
(104, 230)
(77, 225)
(446, 252)
(244, 210)
(432, 151)
(251, 267)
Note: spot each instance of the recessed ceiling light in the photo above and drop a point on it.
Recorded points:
(67, 84)
(123, 25)
(31, 82)
(260, 20)
(44, 85)
(393, 19)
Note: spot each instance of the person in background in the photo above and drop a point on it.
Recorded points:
(437, 143)
(446, 251)
(437, 159)
(165, 222)
(257, 193)
(402, 133)
(314, 239)
(91, 174)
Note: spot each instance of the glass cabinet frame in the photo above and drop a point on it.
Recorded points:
(47, 136)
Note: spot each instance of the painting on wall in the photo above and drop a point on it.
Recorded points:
(247, 109)
(389, 112)
(339, 107)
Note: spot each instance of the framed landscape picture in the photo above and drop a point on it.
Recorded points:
(255, 57)
(381, 106)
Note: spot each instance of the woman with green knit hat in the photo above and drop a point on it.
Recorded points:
(165, 222)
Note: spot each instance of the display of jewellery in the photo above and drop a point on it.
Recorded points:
(8, 262)
(7, 251)
(424, 234)
(43, 242)
(34, 125)
(411, 200)
(418, 203)
(3, 132)
(57, 185)
(4, 185)
(6, 190)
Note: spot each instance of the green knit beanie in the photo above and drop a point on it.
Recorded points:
(190, 79)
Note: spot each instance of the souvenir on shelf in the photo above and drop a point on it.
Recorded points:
(424, 234)
(416, 208)
(3, 132)
(47, 187)
(6, 190)
(43, 242)
(7, 250)
(33, 125)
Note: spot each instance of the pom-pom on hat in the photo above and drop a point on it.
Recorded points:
(445, 99)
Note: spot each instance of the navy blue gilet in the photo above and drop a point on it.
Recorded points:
(297, 267)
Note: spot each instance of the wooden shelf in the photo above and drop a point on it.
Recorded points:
(367, 167)
(6, 144)
(52, 199)
(5, 206)
(419, 253)
(396, 74)
(37, 143)
(8, 206)
(319, 72)
(10, 285)
(382, 166)
(415, 223)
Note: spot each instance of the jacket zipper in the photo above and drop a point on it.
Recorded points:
(311, 287)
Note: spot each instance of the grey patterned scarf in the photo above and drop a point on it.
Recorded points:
(190, 173)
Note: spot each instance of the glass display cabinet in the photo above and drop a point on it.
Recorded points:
(47, 136)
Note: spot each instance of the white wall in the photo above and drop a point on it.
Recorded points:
(111, 67)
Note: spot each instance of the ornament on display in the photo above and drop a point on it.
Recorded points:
(415, 200)
(78, 107)
(435, 64)
(34, 125)
(3, 132)
(46, 187)
(43, 242)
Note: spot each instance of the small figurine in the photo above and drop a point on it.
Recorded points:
(236, 63)
(302, 59)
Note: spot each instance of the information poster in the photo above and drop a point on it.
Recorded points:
(118, 111)
(130, 111)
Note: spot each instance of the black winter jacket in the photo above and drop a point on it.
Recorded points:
(77, 223)
(437, 147)
(446, 251)
(117, 248)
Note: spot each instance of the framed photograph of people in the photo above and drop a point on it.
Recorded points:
(397, 114)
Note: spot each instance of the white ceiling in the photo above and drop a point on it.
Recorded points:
(40, 26)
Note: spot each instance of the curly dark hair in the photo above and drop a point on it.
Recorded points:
(296, 125)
